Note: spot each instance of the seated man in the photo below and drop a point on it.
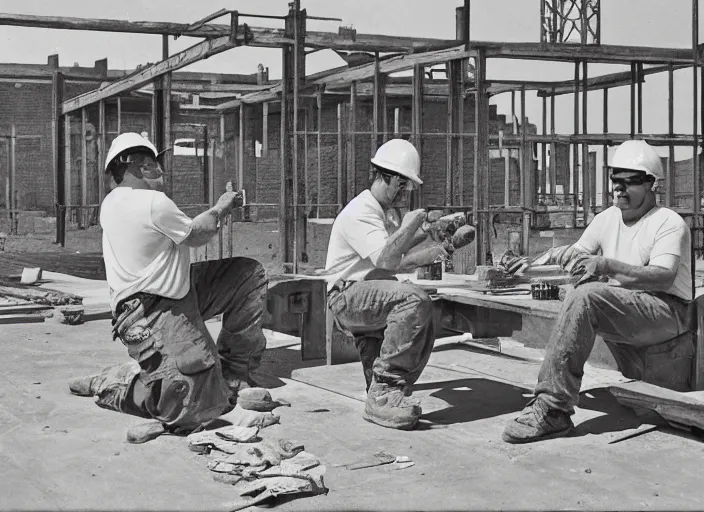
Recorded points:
(180, 378)
(365, 297)
(646, 259)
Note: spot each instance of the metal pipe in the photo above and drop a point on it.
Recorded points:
(605, 196)
(575, 146)
(586, 196)
(633, 99)
(670, 171)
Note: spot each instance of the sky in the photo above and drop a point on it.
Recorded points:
(662, 23)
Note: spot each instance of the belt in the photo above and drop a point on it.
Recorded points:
(141, 296)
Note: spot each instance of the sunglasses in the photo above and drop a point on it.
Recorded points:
(629, 182)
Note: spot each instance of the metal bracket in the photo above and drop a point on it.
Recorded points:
(298, 303)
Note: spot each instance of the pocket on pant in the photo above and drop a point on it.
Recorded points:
(141, 341)
(194, 355)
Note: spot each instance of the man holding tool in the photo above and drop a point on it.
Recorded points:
(180, 378)
(634, 260)
(391, 321)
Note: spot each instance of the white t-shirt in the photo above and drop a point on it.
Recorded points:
(659, 232)
(142, 233)
(358, 234)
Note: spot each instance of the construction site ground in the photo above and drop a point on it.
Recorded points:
(62, 452)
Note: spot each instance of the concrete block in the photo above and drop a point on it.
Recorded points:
(31, 275)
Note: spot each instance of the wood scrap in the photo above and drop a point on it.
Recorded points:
(672, 406)
(21, 319)
(38, 295)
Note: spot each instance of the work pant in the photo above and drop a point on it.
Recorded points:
(635, 318)
(398, 314)
(179, 375)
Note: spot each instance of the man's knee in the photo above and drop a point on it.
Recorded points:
(586, 295)
(420, 303)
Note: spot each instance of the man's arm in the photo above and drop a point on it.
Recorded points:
(423, 254)
(398, 244)
(205, 225)
(650, 278)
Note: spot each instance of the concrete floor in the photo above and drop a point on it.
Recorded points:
(59, 451)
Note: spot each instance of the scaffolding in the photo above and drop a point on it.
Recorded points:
(373, 60)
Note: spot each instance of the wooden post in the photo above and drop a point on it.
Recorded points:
(670, 176)
(306, 131)
(507, 177)
(481, 162)
(299, 161)
(397, 122)
(119, 115)
(586, 186)
(286, 200)
(553, 148)
(319, 122)
(241, 141)
(696, 171)
(605, 195)
(523, 160)
(265, 129)
(633, 99)
(575, 146)
(417, 127)
(341, 175)
(102, 150)
(58, 141)
(454, 129)
(639, 76)
(352, 144)
(84, 170)
(379, 108)
(12, 179)
(543, 152)
(67, 164)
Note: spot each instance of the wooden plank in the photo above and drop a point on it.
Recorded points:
(193, 54)
(605, 196)
(241, 146)
(575, 146)
(586, 188)
(341, 152)
(22, 309)
(352, 144)
(21, 319)
(681, 408)
(417, 126)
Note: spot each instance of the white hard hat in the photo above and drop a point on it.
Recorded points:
(126, 141)
(401, 157)
(638, 155)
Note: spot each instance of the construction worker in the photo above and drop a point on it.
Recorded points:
(180, 378)
(391, 321)
(634, 259)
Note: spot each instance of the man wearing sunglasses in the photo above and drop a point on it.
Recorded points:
(392, 322)
(634, 259)
(180, 378)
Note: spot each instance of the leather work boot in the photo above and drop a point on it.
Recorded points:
(537, 422)
(389, 406)
(86, 386)
(145, 431)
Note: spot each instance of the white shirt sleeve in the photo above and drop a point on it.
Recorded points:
(366, 234)
(672, 238)
(169, 220)
(590, 241)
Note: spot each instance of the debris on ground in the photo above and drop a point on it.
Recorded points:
(258, 399)
(247, 418)
(31, 275)
(259, 469)
(377, 459)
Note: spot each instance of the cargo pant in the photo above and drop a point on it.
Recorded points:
(179, 375)
(392, 324)
(620, 316)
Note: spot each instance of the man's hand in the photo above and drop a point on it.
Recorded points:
(591, 268)
(225, 203)
(421, 255)
(414, 219)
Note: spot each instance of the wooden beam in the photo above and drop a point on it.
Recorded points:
(319, 122)
(57, 139)
(341, 174)
(586, 187)
(352, 144)
(119, 115)
(696, 171)
(286, 229)
(603, 53)
(67, 161)
(241, 146)
(575, 147)
(553, 152)
(167, 124)
(605, 196)
(393, 65)
(378, 108)
(255, 36)
(12, 176)
(193, 54)
(265, 129)
(196, 87)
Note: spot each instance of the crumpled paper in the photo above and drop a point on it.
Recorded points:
(263, 454)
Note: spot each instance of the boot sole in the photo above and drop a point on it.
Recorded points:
(389, 423)
(554, 435)
(143, 438)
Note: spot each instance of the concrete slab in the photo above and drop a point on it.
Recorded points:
(59, 451)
